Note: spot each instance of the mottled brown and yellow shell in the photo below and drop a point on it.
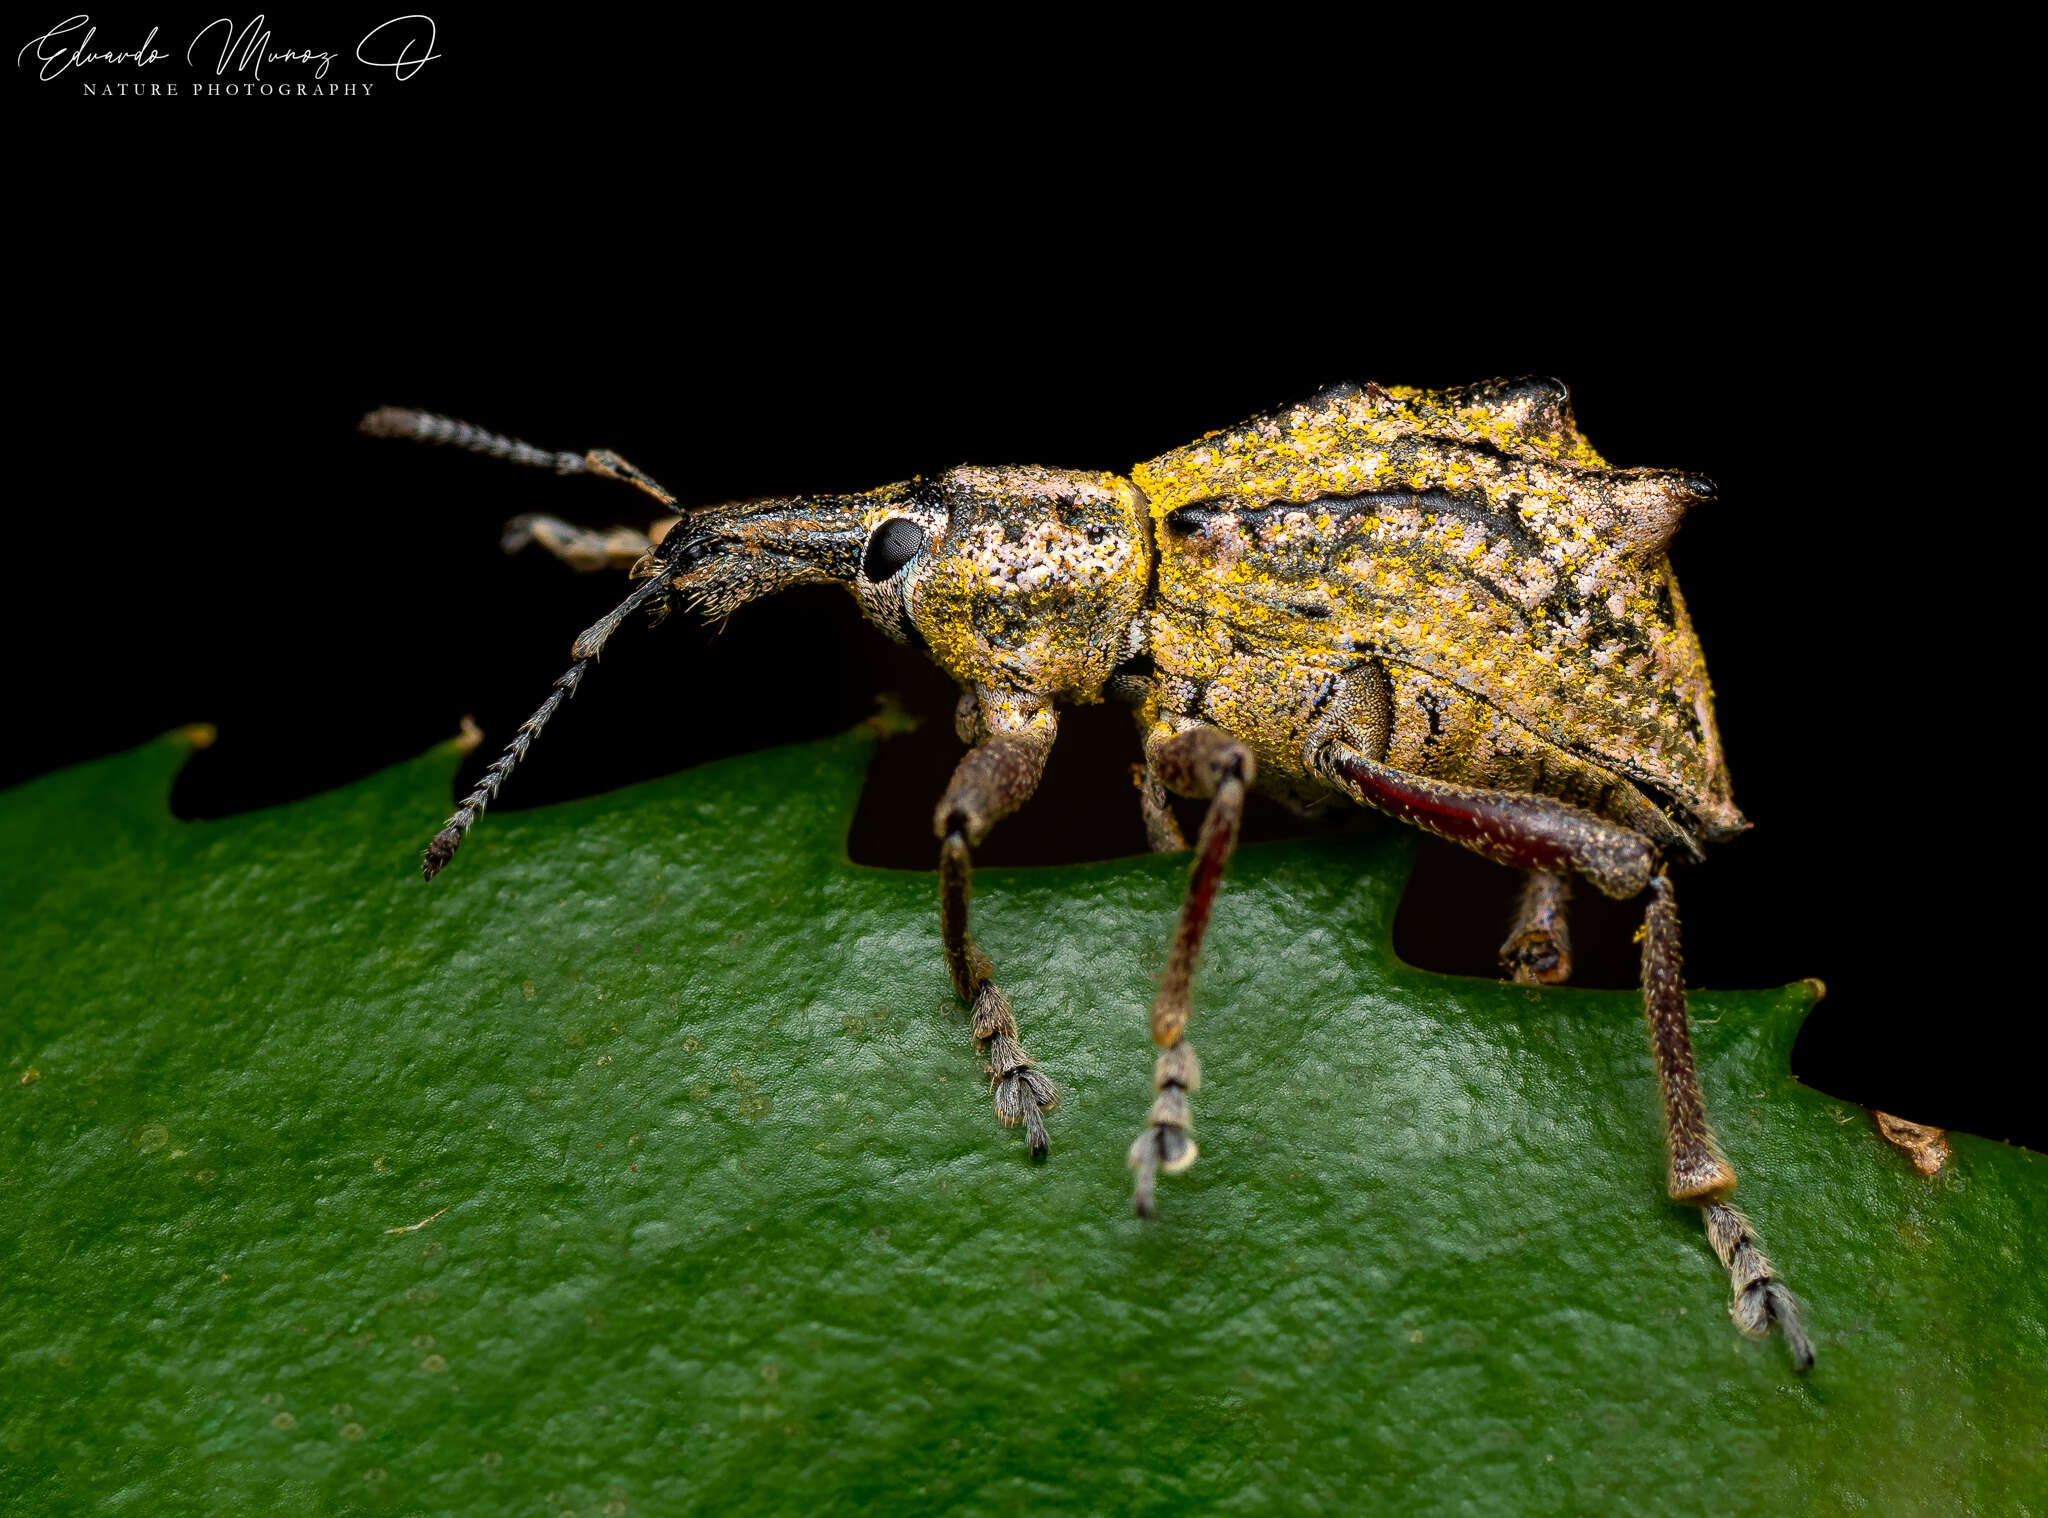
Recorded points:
(1472, 541)
(1441, 605)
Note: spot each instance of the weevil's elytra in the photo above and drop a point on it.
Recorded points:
(1443, 605)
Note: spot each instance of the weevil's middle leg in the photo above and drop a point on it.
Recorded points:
(1538, 948)
(993, 780)
(1200, 761)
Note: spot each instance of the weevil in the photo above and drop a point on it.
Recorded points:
(1442, 605)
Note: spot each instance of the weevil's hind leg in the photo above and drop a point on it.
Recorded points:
(1538, 833)
(993, 780)
(1538, 948)
(1510, 827)
(584, 549)
(1699, 1173)
(1760, 1300)
(1208, 762)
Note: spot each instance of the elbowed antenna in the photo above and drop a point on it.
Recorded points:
(716, 559)
(427, 427)
(446, 431)
(587, 648)
(449, 839)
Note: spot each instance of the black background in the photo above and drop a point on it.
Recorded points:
(778, 261)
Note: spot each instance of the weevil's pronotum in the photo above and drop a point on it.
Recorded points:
(1442, 605)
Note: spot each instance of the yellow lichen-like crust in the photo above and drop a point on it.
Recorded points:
(1033, 580)
(1471, 535)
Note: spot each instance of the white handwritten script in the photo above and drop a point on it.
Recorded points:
(221, 50)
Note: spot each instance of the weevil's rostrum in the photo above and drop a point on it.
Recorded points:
(1443, 605)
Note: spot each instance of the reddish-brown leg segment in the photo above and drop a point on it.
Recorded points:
(1528, 832)
(1207, 762)
(1538, 833)
(992, 781)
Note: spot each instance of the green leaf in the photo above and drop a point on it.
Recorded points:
(642, 1164)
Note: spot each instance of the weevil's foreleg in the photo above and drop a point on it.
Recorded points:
(427, 427)
(1203, 762)
(1538, 948)
(992, 781)
(1699, 1173)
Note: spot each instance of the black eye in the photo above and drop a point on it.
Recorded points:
(895, 543)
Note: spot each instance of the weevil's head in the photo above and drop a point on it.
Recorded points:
(1019, 579)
